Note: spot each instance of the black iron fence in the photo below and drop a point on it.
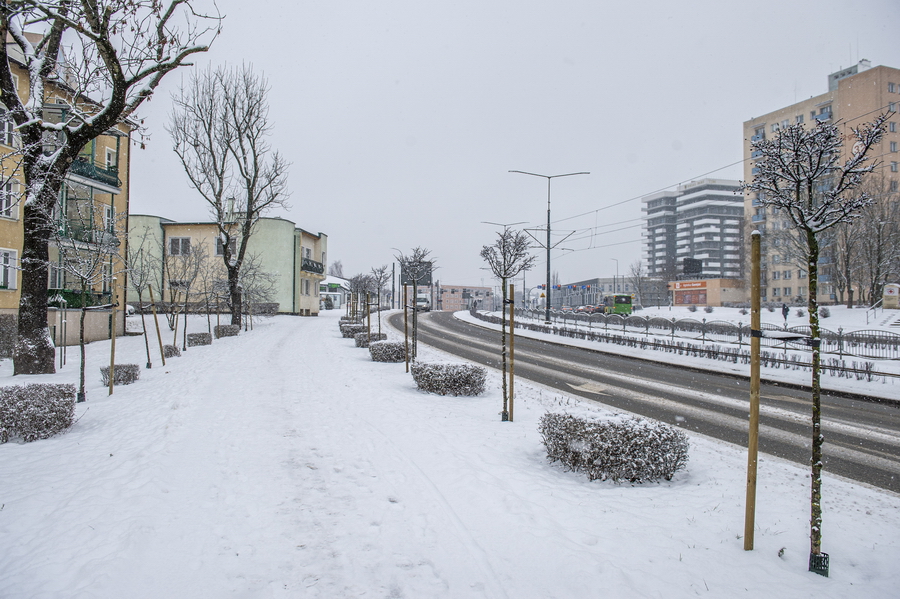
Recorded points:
(872, 344)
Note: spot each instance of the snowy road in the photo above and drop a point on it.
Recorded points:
(862, 438)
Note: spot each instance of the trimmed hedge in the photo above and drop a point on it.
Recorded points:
(35, 411)
(449, 379)
(363, 339)
(387, 351)
(123, 374)
(350, 331)
(195, 339)
(627, 449)
(171, 351)
(226, 330)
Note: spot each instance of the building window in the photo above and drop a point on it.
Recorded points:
(8, 200)
(801, 274)
(891, 87)
(787, 291)
(799, 119)
(305, 286)
(892, 107)
(776, 291)
(220, 247)
(894, 185)
(774, 127)
(892, 127)
(179, 246)
(893, 146)
(776, 275)
(787, 274)
(893, 167)
(7, 269)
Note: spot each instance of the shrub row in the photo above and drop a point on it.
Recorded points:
(35, 411)
(629, 449)
(226, 330)
(387, 351)
(349, 331)
(195, 339)
(449, 379)
(363, 339)
(171, 351)
(123, 374)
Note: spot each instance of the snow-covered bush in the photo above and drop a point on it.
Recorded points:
(800, 313)
(824, 312)
(744, 311)
(363, 339)
(123, 374)
(350, 331)
(449, 379)
(226, 330)
(195, 339)
(171, 351)
(387, 351)
(692, 308)
(636, 450)
(35, 411)
(708, 309)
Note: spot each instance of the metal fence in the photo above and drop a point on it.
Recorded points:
(872, 344)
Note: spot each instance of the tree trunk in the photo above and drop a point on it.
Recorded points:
(504, 416)
(34, 351)
(234, 292)
(815, 519)
(144, 327)
(81, 394)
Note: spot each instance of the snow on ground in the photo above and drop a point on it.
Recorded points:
(848, 320)
(284, 463)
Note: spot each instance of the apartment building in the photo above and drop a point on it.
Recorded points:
(90, 216)
(701, 222)
(452, 298)
(855, 95)
(291, 259)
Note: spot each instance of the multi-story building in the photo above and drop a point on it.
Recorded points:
(452, 298)
(291, 260)
(855, 95)
(90, 217)
(702, 222)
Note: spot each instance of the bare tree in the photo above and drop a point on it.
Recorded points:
(878, 234)
(220, 128)
(259, 286)
(800, 174)
(359, 285)
(336, 269)
(415, 269)
(144, 264)
(637, 276)
(380, 277)
(506, 258)
(118, 51)
(90, 261)
(183, 270)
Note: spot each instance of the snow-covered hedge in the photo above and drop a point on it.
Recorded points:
(226, 330)
(387, 351)
(123, 374)
(8, 332)
(35, 411)
(171, 351)
(363, 339)
(195, 339)
(350, 331)
(449, 379)
(625, 449)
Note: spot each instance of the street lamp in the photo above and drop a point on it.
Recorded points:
(548, 178)
(616, 280)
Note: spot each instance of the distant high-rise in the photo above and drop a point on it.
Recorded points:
(701, 221)
(855, 95)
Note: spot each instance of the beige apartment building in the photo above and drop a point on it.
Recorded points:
(855, 95)
(292, 259)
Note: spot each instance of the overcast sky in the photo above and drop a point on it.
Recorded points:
(402, 118)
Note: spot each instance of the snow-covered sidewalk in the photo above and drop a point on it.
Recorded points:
(284, 463)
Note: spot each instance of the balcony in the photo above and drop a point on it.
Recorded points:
(758, 137)
(310, 265)
(106, 176)
(758, 218)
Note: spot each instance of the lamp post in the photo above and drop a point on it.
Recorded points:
(616, 280)
(549, 246)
